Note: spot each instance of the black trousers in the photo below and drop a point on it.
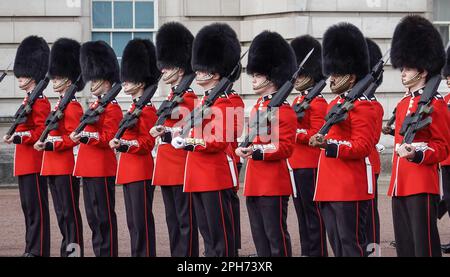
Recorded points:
(33, 192)
(267, 215)
(373, 219)
(181, 221)
(344, 222)
(235, 207)
(415, 225)
(312, 231)
(99, 202)
(65, 190)
(214, 219)
(140, 220)
(444, 204)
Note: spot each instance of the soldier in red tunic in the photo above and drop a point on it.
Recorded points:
(173, 53)
(269, 179)
(373, 219)
(345, 179)
(30, 67)
(96, 162)
(58, 161)
(211, 174)
(138, 71)
(417, 49)
(445, 165)
(304, 159)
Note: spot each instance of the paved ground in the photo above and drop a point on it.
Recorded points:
(12, 227)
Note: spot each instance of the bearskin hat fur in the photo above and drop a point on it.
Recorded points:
(65, 60)
(313, 66)
(139, 62)
(271, 55)
(345, 51)
(32, 58)
(174, 46)
(99, 62)
(374, 56)
(417, 44)
(446, 71)
(216, 49)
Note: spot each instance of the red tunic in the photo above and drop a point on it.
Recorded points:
(26, 159)
(344, 171)
(305, 156)
(268, 172)
(374, 156)
(420, 175)
(170, 162)
(60, 160)
(95, 157)
(238, 105)
(447, 100)
(208, 166)
(136, 164)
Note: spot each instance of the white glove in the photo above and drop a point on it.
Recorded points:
(406, 151)
(380, 147)
(178, 142)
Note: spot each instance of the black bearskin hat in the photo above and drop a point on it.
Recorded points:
(65, 60)
(271, 55)
(99, 62)
(345, 51)
(446, 71)
(313, 66)
(139, 62)
(417, 44)
(216, 49)
(174, 46)
(374, 56)
(32, 58)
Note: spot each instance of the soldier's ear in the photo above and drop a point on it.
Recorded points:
(216, 76)
(352, 78)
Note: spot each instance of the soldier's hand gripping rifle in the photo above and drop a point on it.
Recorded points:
(26, 108)
(275, 102)
(387, 129)
(419, 119)
(339, 112)
(91, 116)
(131, 118)
(301, 107)
(197, 115)
(53, 119)
(167, 106)
(5, 73)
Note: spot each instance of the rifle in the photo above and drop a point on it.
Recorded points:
(167, 106)
(196, 116)
(339, 112)
(416, 121)
(92, 115)
(5, 73)
(26, 108)
(53, 119)
(389, 124)
(276, 101)
(131, 118)
(301, 107)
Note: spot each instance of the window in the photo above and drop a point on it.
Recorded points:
(441, 17)
(118, 21)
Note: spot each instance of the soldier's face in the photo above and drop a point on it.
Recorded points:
(412, 77)
(60, 84)
(172, 76)
(206, 80)
(26, 83)
(341, 83)
(261, 85)
(99, 87)
(132, 89)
